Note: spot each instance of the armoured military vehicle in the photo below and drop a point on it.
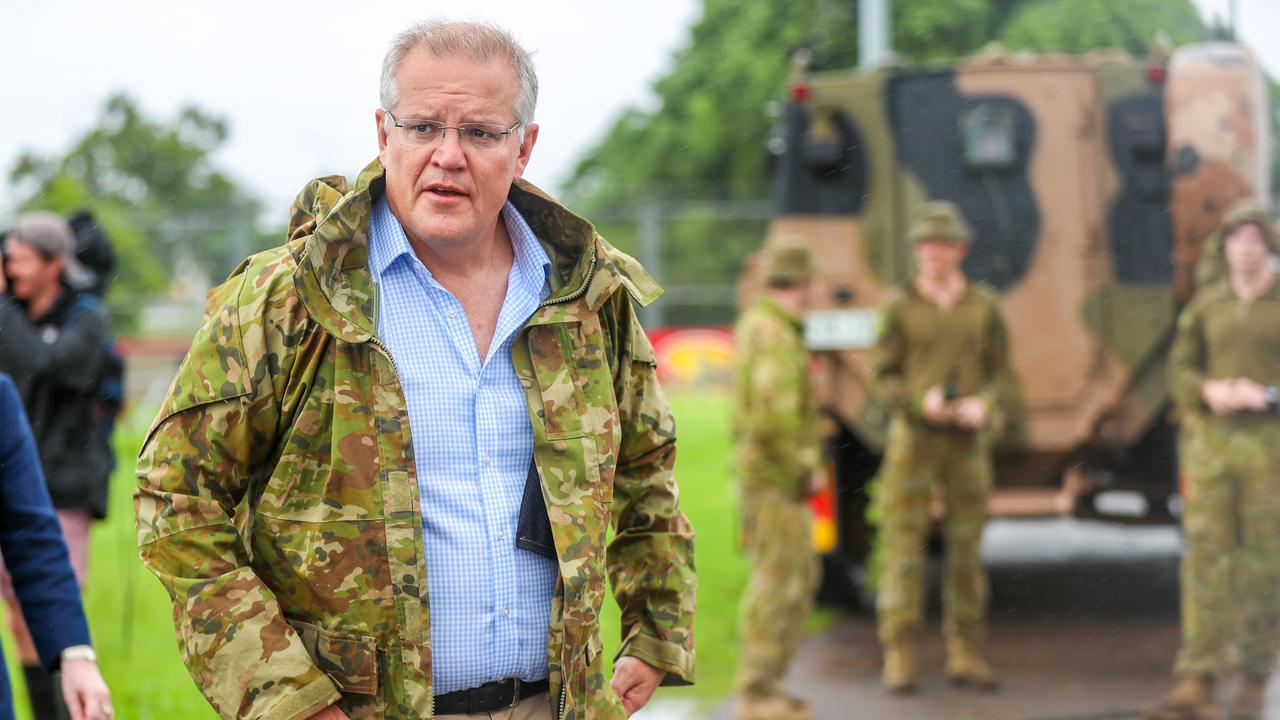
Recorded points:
(1091, 183)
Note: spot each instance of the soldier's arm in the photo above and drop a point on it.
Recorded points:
(215, 428)
(888, 364)
(779, 422)
(1000, 386)
(650, 560)
(1187, 360)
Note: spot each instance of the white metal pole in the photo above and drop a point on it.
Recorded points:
(874, 41)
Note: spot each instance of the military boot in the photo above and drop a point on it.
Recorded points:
(1250, 699)
(899, 674)
(1190, 699)
(778, 706)
(967, 668)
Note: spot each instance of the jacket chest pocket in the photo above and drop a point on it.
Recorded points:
(559, 383)
(576, 406)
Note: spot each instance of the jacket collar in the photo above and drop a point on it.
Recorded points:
(335, 285)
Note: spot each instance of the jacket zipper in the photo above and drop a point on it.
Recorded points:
(570, 297)
(582, 290)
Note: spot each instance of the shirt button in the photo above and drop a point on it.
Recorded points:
(506, 612)
(453, 313)
(502, 534)
(486, 459)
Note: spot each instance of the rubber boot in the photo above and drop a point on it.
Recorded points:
(40, 692)
(966, 667)
(1250, 699)
(1190, 699)
(899, 674)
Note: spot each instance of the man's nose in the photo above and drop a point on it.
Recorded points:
(448, 152)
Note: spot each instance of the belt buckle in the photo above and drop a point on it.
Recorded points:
(515, 692)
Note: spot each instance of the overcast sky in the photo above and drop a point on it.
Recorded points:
(298, 80)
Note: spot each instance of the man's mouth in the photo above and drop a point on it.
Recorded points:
(445, 191)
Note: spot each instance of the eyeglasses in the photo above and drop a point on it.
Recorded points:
(478, 136)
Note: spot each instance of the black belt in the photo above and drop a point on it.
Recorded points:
(489, 696)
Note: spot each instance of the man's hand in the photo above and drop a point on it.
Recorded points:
(971, 413)
(86, 694)
(634, 681)
(330, 713)
(1218, 396)
(1234, 395)
(934, 406)
(1249, 395)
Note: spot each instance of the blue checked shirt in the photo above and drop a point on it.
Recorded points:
(490, 603)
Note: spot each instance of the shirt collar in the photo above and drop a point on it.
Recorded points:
(388, 243)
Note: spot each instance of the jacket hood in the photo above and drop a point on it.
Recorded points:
(329, 237)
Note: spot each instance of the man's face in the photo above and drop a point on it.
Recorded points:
(938, 258)
(30, 273)
(1245, 248)
(447, 193)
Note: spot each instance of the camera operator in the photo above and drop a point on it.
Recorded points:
(52, 335)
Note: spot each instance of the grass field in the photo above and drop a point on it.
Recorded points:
(130, 614)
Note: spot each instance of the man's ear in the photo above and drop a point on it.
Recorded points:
(526, 149)
(379, 117)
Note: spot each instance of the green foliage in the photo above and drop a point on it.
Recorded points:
(156, 190)
(1077, 26)
(705, 138)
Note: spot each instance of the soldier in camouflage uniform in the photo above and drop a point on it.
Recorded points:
(1224, 371)
(278, 495)
(777, 457)
(941, 363)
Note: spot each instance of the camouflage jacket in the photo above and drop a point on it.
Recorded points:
(775, 423)
(1221, 336)
(967, 348)
(277, 495)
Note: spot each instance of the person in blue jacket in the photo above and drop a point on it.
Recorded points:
(36, 555)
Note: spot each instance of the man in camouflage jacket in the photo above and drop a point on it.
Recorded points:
(1224, 370)
(778, 452)
(278, 498)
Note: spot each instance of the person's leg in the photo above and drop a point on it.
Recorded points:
(903, 494)
(1257, 568)
(1209, 531)
(779, 594)
(967, 477)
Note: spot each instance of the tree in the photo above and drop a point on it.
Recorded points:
(1077, 26)
(157, 192)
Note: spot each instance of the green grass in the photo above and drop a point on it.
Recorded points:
(130, 614)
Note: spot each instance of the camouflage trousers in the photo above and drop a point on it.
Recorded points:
(916, 460)
(1231, 527)
(779, 594)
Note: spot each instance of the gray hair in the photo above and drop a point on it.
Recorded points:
(475, 40)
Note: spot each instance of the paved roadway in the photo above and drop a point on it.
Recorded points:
(1084, 627)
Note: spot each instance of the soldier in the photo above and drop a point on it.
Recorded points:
(383, 481)
(778, 454)
(1224, 373)
(941, 363)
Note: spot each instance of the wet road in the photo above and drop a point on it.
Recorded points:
(1084, 627)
